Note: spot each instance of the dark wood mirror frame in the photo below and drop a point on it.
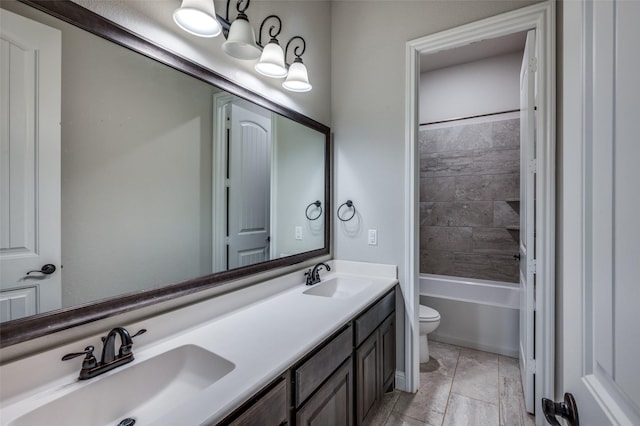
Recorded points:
(39, 325)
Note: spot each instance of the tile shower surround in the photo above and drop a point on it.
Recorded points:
(469, 179)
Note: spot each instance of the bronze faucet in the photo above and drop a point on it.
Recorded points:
(313, 275)
(92, 368)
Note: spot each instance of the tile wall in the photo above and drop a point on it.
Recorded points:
(469, 192)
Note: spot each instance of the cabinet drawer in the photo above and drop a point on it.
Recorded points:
(366, 323)
(270, 410)
(319, 367)
(332, 404)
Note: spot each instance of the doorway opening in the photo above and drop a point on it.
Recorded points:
(477, 196)
(516, 23)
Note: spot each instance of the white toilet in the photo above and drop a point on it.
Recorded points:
(429, 321)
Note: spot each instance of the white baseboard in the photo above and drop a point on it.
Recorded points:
(401, 382)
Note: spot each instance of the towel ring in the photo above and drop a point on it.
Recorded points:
(318, 205)
(349, 205)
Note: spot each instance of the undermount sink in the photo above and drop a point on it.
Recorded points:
(339, 288)
(144, 391)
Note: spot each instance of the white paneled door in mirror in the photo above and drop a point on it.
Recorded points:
(248, 185)
(30, 82)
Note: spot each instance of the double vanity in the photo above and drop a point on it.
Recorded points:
(274, 353)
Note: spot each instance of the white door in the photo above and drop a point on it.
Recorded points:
(30, 80)
(527, 219)
(601, 204)
(248, 187)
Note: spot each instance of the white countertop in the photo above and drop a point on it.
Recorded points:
(262, 339)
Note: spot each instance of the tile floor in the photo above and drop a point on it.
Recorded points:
(461, 387)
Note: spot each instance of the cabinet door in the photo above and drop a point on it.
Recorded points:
(270, 410)
(368, 378)
(332, 403)
(388, 351)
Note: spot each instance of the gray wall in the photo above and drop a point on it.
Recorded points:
(368, 113)
(469, 184)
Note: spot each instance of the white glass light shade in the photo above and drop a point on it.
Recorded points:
(198, 17)
(241, 43)
(297, 79)
(272, 61)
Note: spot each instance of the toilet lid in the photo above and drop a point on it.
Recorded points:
(428, 313)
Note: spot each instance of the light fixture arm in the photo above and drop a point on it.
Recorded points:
(239, 8)
(274, 30)
(298, 53)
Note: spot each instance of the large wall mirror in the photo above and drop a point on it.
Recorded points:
(170, 178)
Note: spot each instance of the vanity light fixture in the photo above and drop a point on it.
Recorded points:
(198, 17)
(297, 78)
(241, 40)
(272, 62)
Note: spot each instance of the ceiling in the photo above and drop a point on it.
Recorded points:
(473, 52)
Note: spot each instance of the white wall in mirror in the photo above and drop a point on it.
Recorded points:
(136, 171)
(298, 151)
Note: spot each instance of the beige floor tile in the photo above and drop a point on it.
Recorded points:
(444, 356)
(429, 403)
(384, 409)
(512, 410)
(511, 402)
(470, 412)
(477, 376)
(480, 356)
(460, 387)
(396, 419)
(508, 367)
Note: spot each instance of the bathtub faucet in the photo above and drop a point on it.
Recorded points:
(313, 275)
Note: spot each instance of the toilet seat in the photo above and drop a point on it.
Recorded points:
(428, 314)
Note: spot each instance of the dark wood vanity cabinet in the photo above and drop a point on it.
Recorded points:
(374, 355)
(323, 384)
(339, 383)
(332, 403)
(269, 408)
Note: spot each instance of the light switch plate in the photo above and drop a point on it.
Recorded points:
(298, 232)
(373, 237)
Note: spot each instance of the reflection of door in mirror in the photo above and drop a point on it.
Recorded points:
(248, 194)
(30, 87)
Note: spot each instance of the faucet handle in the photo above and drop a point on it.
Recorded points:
(142, 331)
(89, 360)
(125, 348)
(309, 277)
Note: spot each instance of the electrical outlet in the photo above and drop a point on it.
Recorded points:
(298, 232)
(373, 237)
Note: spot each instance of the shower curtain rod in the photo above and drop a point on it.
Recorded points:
(471, 116)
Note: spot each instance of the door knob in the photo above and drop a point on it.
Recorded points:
(566, 409)
(47, 269)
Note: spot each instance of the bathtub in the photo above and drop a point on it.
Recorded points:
(474, 313)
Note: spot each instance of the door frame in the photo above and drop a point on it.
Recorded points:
(540, 17)
(219, 181)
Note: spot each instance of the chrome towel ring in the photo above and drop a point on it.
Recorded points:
(349, 205)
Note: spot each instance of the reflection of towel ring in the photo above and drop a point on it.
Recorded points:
(318, 205)
(349, 205)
